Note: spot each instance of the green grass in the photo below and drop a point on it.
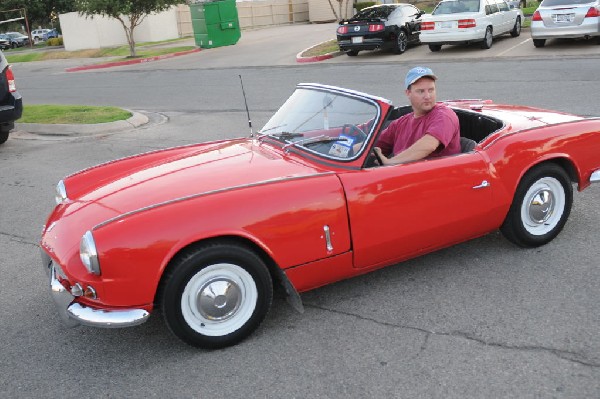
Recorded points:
(118, 52)
(72, 114)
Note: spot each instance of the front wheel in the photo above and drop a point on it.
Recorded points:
(487, 39)
(540, 208)
(216, 295)
(401, 42)
(435, 47)
(539, 42)
(352, 53)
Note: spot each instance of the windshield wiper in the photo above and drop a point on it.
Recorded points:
(315, 140)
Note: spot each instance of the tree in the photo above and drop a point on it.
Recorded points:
(338, 15)
(129, 13)
(39, 12)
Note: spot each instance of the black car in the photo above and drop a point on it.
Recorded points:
(386, 26)
(11, 103)
(17, 39)
(4, 42)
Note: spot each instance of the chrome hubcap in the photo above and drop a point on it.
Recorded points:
(218, 299)
(541, 206)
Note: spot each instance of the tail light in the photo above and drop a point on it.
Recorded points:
(376, 27)
(466, 23)
(12, 87)
(427, 25)
(342, 30)
(592, 12)
(536, 16)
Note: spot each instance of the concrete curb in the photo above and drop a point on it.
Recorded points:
(130, 62)
(137, 119)
(317, 58)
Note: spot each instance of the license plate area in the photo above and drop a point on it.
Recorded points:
(563, 18)
(357, 39)
(445, 25)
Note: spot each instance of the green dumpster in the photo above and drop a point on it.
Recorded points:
(215, 23)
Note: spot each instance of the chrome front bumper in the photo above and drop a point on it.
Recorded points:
(74, 314)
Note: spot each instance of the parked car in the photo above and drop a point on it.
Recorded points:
(202, 232)
(11, 103)
(17, 39)
(469, 21)
(386, 26)
(43, 34)
(4, 42)
(565, 19)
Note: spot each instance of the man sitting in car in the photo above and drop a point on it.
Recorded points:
(431, 130)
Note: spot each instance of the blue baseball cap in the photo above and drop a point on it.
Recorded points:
(417, 73)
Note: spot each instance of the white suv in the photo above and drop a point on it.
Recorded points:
(469, 21)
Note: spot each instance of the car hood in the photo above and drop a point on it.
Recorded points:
(176, 174)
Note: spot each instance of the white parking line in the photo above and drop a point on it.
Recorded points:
(512, 48)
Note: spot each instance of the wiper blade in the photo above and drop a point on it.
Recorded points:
(315, 140)
(287, 135)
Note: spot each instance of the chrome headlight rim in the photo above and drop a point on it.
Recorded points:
(61, 193)
(89, 254)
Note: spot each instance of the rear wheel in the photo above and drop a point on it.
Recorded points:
(216, 295)
(487, 39)
(352, 53)
(3, 136)
(540, 208)
(516, 30)
(539, 42)
(401, 42)
(435, 47)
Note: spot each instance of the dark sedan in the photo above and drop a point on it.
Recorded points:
(386, 26)
(11, 105)
(17, 39)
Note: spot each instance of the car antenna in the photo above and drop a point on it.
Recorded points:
(246, 104)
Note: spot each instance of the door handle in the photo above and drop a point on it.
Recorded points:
(483, 184)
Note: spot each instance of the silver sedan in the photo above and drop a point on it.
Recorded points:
(565, 19)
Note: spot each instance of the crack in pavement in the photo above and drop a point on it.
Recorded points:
(563, 354)
(17, 238)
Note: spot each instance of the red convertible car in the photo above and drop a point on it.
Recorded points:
(202, 233)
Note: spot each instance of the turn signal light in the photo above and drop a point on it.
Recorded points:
(427, 25)
(466, 23)
(592, 12)
(376, 27)
(536, 16)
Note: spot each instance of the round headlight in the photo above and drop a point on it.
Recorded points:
(89, 254)
(61, 192)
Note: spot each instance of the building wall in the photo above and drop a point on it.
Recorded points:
(80, 33)
(320, 10)
(254, 14)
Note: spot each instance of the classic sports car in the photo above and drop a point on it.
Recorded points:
(203, 232)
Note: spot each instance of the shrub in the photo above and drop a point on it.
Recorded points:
(55, 41)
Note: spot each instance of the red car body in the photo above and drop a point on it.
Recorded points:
(310, 219)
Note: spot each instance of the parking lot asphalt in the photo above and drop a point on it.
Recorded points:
(284, 45)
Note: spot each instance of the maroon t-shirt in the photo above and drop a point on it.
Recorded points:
(441, 122)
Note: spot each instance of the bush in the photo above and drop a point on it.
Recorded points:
(364, 4)
(55, 41)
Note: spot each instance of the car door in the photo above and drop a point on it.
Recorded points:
(506, 16)
(400, 211)
(493, 16)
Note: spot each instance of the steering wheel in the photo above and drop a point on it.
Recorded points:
(353, 130)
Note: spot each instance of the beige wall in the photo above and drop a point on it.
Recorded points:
(320, 10)
(81, 33)
(253, 14)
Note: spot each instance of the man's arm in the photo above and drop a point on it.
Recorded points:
(419, 150)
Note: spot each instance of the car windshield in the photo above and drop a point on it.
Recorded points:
(329, 123)
(454, 7)
(379, 12)
(552, 3)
